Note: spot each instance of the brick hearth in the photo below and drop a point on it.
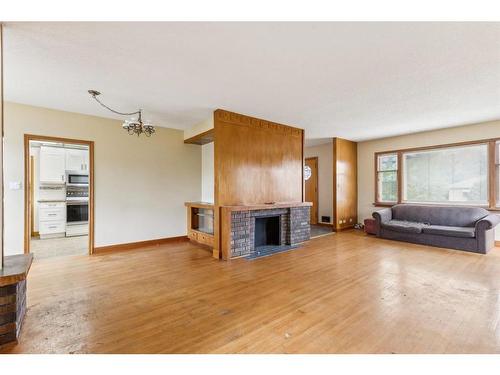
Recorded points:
(294, 224)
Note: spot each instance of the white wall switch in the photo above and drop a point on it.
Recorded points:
(14, 185)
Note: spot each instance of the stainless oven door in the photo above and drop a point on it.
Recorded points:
(77, 212)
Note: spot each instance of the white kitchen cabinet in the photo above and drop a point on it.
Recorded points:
(52, 165)
(77, 160)
(52, 219)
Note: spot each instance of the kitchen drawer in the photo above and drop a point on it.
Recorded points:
(43, 205)
(52, 214)
(49, 227)
(77, 230)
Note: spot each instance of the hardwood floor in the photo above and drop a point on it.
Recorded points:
(340, 293)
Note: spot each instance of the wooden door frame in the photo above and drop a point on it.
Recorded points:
(27, 198)
(316, 194)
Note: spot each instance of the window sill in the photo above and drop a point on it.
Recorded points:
(385, 204)
(380, 204)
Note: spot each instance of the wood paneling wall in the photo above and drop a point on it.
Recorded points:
(256, 161)
(345, 185)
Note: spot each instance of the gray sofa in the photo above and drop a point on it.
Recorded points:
(456, 227)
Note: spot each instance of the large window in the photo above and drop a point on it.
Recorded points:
(387, 178)
(455, 174)
(447, 175)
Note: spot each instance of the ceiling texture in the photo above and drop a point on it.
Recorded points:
(358, 81)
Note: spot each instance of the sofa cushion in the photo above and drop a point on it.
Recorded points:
(456, 216)
(403, 226)
(442, 230)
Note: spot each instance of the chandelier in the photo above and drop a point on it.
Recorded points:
(132, 127)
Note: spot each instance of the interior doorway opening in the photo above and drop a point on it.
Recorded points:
(58, 196)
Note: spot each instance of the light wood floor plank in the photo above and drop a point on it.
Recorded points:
(341, 293)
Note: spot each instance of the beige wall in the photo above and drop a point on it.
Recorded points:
(199, 128)
(366, 150)
(141, 183)
(207, 172)
(324, 153)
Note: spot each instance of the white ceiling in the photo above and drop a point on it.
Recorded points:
(353, 80)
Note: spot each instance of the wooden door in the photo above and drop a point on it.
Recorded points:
(311, 177)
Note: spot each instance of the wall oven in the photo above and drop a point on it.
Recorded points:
(77, 212)
(77, 209)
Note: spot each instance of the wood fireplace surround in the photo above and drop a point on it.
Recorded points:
(258, 171)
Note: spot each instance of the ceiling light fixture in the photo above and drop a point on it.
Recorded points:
(131, 126)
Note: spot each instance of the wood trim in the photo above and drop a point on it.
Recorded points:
(316, 193)
(139, 244)
(334, 184)
(225, 227)
(491, 175)
(91, 198)
(252, 207)
(1, 152)
(303, 166)
(399, 177)
(490, 142)
(27, 199)
(244, 120)
(207, 205)
(377, 204)
(424, 148)
(202, 138)
(32, 194)
(497, 243)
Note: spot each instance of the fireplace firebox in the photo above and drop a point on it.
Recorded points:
(267, 231)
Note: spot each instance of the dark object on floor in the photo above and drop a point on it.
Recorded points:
(370, 226)
(320, 230)
(456, 227)
(325, 219)
(265, 251)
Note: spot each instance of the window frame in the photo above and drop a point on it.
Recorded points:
(493, 178)
(377, 172)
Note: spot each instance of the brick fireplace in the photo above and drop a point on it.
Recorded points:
(255, 226)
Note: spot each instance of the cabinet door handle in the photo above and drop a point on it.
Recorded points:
(52, 215)
(62, 178)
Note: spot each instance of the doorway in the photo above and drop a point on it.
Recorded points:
(311, 186)
(59, 196)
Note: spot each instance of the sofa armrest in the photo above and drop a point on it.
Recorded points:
(488, 222)
(382, 216)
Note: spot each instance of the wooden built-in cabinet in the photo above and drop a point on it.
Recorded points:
(200, 222)
(256, 162)
(345, 185)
